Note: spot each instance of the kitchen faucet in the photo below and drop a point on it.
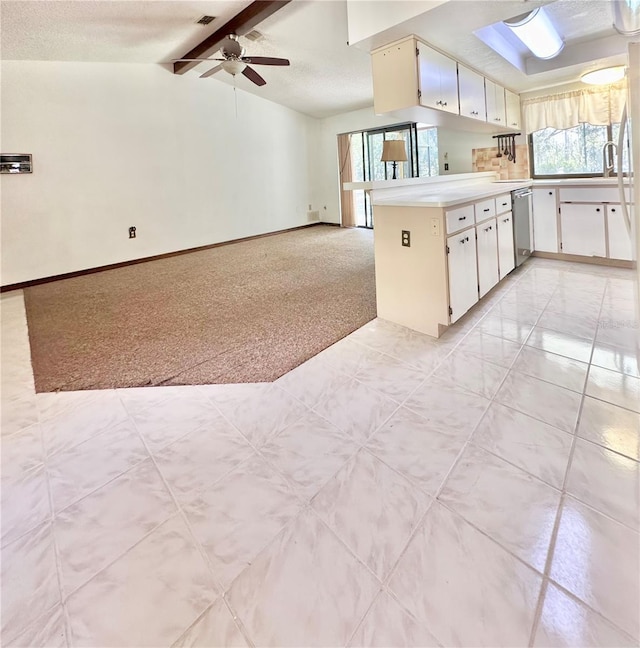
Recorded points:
(607, 165)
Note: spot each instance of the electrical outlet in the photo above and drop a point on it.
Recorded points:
(132, 232)
(435, 227)
(406, 238)
(446, 166)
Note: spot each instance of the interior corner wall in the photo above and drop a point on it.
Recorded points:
(327, 184)
(120, 145)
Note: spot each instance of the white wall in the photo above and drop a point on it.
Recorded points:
(327, 184)
(457, 145)
(367, 18)
(116, 145)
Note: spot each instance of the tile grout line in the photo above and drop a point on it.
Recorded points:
(556, 525)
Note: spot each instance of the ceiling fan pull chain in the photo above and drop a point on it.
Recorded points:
(235, 95)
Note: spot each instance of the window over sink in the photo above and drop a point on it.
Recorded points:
(572, 152)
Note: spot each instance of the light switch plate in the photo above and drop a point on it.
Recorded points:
(435, 227)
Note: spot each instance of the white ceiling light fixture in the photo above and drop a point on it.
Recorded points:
(626, 17)
(604, 76)
(537, 32)
(233, 66)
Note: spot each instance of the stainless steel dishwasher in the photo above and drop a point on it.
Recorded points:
(522, 224)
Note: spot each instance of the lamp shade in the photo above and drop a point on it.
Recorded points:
(394, 151)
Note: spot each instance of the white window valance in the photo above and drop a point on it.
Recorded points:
(598, 106)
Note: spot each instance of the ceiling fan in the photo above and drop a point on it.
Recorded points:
(235, 62)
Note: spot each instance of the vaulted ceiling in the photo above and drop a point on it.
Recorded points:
(326, 75)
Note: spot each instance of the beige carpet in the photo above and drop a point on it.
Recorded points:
(245, 312)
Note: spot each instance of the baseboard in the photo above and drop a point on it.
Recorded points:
(576, 258)
(166, 255)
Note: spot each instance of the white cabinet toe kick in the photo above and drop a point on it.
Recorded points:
(456, 256)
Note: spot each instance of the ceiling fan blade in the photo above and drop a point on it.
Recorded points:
(252, 75)
(198, 59)
(211, 72)
(265, 60)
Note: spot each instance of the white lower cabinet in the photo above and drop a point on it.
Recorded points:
(619, 237)
(506, 252)
(583, 229)
(463, 276)
(545, 222)
(487, 241)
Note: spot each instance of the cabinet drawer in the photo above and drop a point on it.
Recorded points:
(589, 194)
(459, 218)
(485, 209)
(503, 203)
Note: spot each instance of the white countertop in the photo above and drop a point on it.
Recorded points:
(445, 195)
(577, 182)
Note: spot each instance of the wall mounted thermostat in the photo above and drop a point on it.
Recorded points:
(15, 163)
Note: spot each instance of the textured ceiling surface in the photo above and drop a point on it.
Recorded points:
(326, 75)
(116, 31)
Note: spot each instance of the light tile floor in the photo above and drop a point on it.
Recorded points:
(482, 489)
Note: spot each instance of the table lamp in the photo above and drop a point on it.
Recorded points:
(394, 151)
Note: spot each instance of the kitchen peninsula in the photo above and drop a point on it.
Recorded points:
(441, 244)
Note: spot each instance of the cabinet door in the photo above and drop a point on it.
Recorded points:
(512, 102)
(463, 274)
(487, 236)
(449, 85)
(495, 103)
(619, 238)
(438, 80)
(506, 252)
(471, 90)
(545, 223)
(582, 228)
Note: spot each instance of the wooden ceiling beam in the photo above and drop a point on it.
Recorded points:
(240, 24)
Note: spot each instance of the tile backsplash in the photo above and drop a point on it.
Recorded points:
(486, 159)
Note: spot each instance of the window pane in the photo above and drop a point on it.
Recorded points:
(375, 153)
(357, 165)
(428, 152)
(575, 150)
(625, 148)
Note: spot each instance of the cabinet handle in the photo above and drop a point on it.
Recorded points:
(514, 124)
(466, 239)
(597, 208)
(497, 119)
(443, 103)
(504, 204)
(506, 220)
(462, 218)
(438, 103)
(551, 193)
(462, 241)
(613, 210)
(489, 228)
(486, 210)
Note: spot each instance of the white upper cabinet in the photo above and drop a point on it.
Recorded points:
(438, 80)
(496, 109)
(471, 90)
(512, 103)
